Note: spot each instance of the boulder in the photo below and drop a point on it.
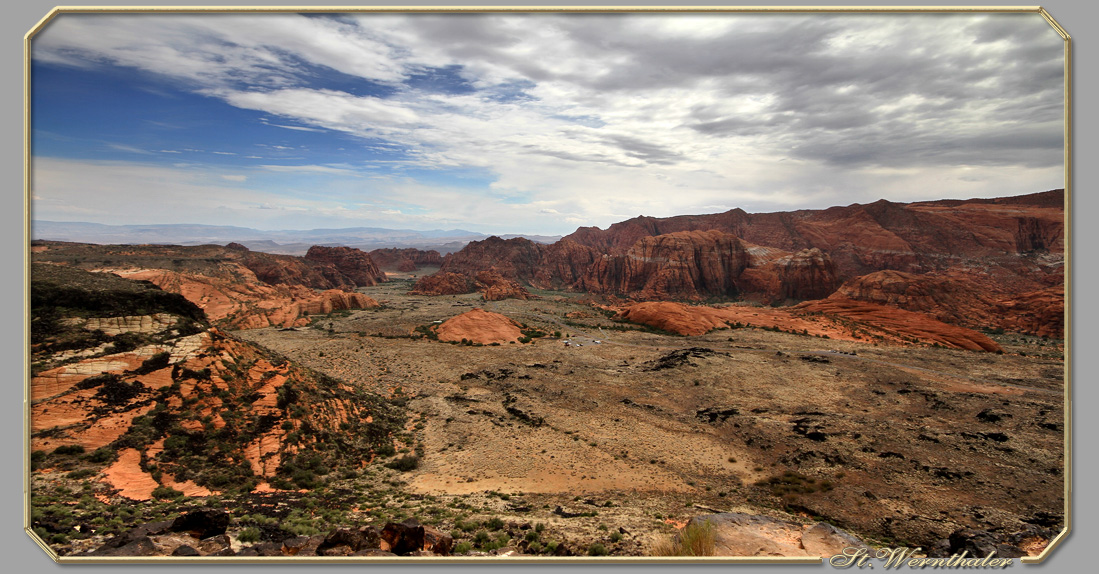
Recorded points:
(202, 523)
(403, 537)
(345, 541)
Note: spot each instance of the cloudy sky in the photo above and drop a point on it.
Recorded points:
(533, 123)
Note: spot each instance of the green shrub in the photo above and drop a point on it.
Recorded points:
(462, 547)
(597, 549)
(69, 449)
(694, 540)
(250, 534)
(166, 493)
(405, 463)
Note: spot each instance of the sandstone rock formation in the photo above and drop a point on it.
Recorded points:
(675, 317)
(904, 324)
(251, 305)
(967, 260)
(960, 299)
(479, 326)
(738, 534)
(147, 400)
(444, 283)
(405, 259)
(835, 317)
(350, 262)
(495, 287)
(1040, 312)
(235, 287)
(321, 268)
(492, 285)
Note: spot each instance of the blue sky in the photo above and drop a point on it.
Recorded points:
(532, 123)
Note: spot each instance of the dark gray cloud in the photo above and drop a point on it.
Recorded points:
(897, 90)
(644, 150)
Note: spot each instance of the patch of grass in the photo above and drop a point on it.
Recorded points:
(696, 539)
(250, 534)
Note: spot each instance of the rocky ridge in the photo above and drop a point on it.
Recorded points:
(236, 288)
(982, 263)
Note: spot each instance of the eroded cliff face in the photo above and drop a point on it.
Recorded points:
(684, 265)
(977, 263)
(349, 262)
(406, 260)
(492, 285)
(687, 265)
(912, 237)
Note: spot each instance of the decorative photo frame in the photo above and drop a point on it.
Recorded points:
(831, 331)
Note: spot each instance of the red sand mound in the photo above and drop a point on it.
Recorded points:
(479, 326)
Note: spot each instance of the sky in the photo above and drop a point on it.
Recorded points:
(533, 123)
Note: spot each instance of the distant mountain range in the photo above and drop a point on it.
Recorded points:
(289, 242)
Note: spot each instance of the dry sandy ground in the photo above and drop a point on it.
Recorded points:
(915, 442)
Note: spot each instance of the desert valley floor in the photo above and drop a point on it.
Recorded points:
(903, 444)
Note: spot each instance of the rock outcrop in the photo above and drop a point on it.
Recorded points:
(687, 265)
(983, 254)
(962, 300)
(406, 260)
(251, 305)
(235, 287)
(147, 400)
(492, 285)
(352, 263)
(904, 324)
(205, 532)
(912, 237)
(444, 283)
(479, 326)
(1040, 312)
(675, 317)
(738, 534)
(835, 317)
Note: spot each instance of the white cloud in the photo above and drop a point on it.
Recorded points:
(311, 169)
(627, 115)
